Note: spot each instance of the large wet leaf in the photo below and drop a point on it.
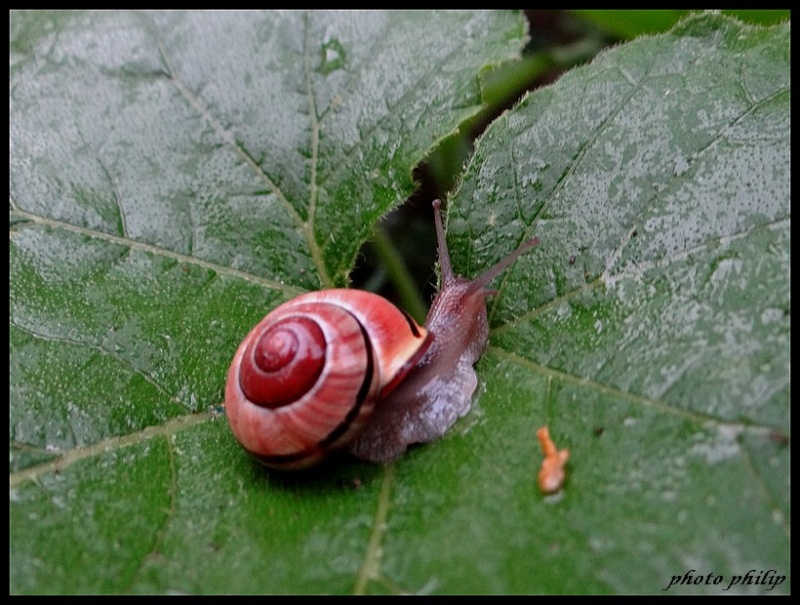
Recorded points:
(175, 176)
(650, 329)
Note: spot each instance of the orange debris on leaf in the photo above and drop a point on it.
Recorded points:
(551, 474)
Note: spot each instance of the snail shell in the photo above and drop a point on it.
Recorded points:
(306, 378)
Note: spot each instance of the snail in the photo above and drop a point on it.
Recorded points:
(346, 369)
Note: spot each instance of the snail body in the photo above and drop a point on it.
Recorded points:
(346, 369)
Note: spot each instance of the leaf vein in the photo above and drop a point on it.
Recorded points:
(635, 398)
(308, 226)
(637, 269)
(123, 227)
(160, 533)
(679, 179)
(234, 145)
(289, 291)
(103, 351)
(344, 160)
(583, 150)
(370, 568)
(758, 480)
(170, 427)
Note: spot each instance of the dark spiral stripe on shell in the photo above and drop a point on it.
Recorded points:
(361, 397)
(411, 324)
(278, 460)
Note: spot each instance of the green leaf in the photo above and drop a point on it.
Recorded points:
(174, 176)
(631, 23)
(650, 329)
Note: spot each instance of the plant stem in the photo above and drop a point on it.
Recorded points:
(410, 299)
